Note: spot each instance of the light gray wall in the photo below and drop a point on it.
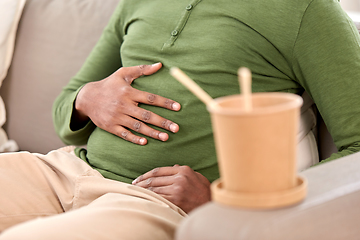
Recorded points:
(350, 5)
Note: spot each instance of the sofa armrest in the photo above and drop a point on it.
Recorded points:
(330, 211)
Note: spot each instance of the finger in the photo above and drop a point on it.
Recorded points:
(128, 136)
(167, 197)
(163, 191)
(171, 195)
(155, 100)
(157, 172)
(153, 182)
(154, 119)
(129, 74)
(144, 129)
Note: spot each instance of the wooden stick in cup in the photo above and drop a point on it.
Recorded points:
(191, 85)
(244, 75)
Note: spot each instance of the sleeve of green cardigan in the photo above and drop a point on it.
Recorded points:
(327, 65)
(102, 62)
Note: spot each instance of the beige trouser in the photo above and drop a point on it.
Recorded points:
(58, 196)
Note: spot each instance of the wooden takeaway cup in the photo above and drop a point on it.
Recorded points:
(256, 150)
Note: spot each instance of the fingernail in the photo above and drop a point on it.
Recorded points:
(156, 64)
(163, 136)
(175, 106)
(142, 141)
(174, 127)
(133, 182)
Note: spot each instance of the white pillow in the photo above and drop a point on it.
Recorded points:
(10, 12)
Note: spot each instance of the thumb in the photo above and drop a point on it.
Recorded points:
(131, 73)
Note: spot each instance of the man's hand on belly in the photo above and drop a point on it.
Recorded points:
(179, 184)
(112, 104)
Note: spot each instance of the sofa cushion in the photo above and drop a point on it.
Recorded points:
(54, 38)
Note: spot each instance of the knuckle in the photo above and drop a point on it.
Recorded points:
(154, 134)
(124, 134)
(148, 181)
(179, 189)
(115, 105)
(142, 67)
(137, 126)
(166, 124)
(146, 115)
(151, 98)
(181, 179)
(169, 103)
(105, 124)
(185, 169)
(135, 139)
(125, 90)
(155, 171)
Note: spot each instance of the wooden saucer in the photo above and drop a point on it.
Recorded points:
(256, 200)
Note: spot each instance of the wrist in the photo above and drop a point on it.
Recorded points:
(78, 118)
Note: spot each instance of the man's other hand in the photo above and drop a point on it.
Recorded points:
(179, 184)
